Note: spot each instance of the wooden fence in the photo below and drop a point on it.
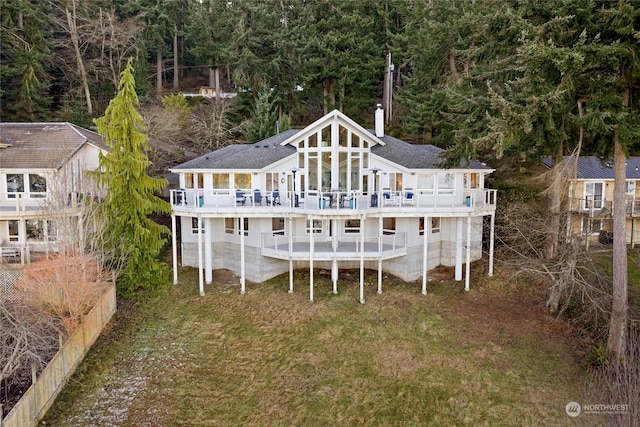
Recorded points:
(42, 393)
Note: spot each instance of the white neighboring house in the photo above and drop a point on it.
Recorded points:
(42, 181)
(332, 195)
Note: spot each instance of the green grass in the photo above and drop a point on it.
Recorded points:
(273, 358)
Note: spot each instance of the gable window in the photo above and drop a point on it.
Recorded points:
(446, 183)
(14, 230)
(15, 184)
(593, 195)
(37, 185)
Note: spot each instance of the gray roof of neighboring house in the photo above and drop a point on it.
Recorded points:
(263, 153)
(592, 167)
(245, 156)
(42, 145)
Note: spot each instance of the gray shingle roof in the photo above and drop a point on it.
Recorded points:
(245, 156)
(592, 167)
(413, 156)
(42, 145)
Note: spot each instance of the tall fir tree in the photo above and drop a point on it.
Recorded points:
(130, 234)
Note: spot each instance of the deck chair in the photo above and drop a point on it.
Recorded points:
(257, 196)
(408, 197)
(240, 197)
(388, 196)
(275, 197)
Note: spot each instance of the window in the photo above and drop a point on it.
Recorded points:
(277, 226)
(194, 226)
(421, 226)
(446, 183)
(352, 226)
(15, 184)
(52, 231)
(35, 230)
(246, 226)
(228, 225)
(37, 185)
(395, 181)
(317, 226)
(435, 225)
(242, 180)
(471, 181)
(593, 195)
(14, 233)
(425, 182)
(193, 180)
(591, 226)
(388, 226)
(630, 188)
(220, 181)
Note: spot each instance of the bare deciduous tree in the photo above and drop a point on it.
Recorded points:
(211, 128)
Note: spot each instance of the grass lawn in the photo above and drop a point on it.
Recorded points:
(484, 357)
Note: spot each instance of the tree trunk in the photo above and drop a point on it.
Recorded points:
(453, 69)
(159, 72)
(73, 33)
(176, 77)
(616, 343)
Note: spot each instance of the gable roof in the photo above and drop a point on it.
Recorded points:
(42, 145)
(592, 167)
(245, 156)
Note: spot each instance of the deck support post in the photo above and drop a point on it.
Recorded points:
(334, 275)
(468, 268)
(290, 255)
(458, 268)
(425, 253)
(362, 228)
(174, 249)
(379, 254)
(200, 272)
(491, 244)
(311, 250)
(208, 256)
(242, 268)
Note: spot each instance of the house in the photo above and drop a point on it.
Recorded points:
(590, 199)
(42, 182)
(330, 196)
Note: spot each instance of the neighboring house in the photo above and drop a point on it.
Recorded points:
(590, 199)
(42, 183)
(330, 196)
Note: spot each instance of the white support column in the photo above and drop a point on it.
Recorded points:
(458, 271)
(200, 272)
(311, 250)
(379, 254)
(290, 275)
(491, 243)
(242, 272)
(334, 275)
(468, 268)
(174, 249)
(208, 256)
(425, 254)
(362, 228)
(290, 255)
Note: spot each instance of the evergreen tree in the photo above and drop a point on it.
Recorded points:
(264, 116)
(133, 237)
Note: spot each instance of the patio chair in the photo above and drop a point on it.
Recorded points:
(275, 197)
(257, 196)
(388, 196)
(408, 197)
(240, 197)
